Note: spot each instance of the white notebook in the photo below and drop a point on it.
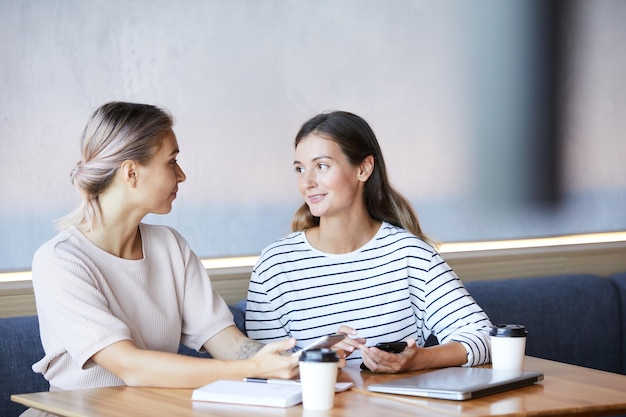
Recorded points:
(458, 383)
(249, 393)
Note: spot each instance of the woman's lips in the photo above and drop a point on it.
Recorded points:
(315, 198)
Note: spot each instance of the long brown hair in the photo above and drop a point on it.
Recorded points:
(357, 141)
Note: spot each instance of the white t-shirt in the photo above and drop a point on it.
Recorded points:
(393, 288)
(88, 299)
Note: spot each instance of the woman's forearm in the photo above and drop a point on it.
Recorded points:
(235, 357)
(138, 367)
(439, 356)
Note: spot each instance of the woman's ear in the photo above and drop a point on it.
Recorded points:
(129, 171)
(366, 168)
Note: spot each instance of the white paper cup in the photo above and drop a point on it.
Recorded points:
(318, 375)
(508, 346)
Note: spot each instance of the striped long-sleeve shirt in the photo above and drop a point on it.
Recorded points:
(393, 288)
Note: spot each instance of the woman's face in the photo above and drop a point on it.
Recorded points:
(160, 177)
(329, 184)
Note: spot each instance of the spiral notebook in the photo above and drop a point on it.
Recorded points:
(458, 383)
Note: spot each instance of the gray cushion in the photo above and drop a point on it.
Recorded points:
(619, 280)
(20, 347)
(570, 318)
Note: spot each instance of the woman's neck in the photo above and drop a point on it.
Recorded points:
(125, 244)
(117, 233)
(342, 236)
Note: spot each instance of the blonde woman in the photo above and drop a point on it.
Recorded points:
(115, 296)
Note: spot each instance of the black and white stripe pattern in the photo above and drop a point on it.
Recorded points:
(393, 288)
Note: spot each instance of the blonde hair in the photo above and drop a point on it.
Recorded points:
(114, 133)
(357, 141)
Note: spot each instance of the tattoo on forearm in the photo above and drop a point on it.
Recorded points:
(248, 349)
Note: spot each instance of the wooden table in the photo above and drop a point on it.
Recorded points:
(566, 390)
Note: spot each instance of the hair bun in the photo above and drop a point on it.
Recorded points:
(76, 170)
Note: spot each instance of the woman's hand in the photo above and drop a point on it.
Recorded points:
(271, 362)
(378, 360)
(350, 343)
(414, 357)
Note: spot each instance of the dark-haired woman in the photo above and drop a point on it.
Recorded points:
(358, 263)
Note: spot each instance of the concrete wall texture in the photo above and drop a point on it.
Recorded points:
(454, 90)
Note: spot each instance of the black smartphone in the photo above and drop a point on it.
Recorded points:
(393, 347)
(322, 342)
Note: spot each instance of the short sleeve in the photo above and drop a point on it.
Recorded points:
(72, 309)
(205, 313)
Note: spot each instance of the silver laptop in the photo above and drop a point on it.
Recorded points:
(458, 383)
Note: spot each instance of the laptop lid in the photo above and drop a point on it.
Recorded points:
(457, 383)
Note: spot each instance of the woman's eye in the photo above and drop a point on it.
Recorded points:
(299, 170)
(322, 167)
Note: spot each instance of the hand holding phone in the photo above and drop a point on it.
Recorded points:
(322, 342)
(392, 347)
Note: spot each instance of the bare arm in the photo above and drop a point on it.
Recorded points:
(230, 343)
(138, 367)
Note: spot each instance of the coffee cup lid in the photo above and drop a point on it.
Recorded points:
(508, 330)
(319, 355)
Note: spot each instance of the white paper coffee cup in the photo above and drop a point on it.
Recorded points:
(508, 346)
(318, 375)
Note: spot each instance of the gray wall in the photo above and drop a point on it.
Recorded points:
(444, 84)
